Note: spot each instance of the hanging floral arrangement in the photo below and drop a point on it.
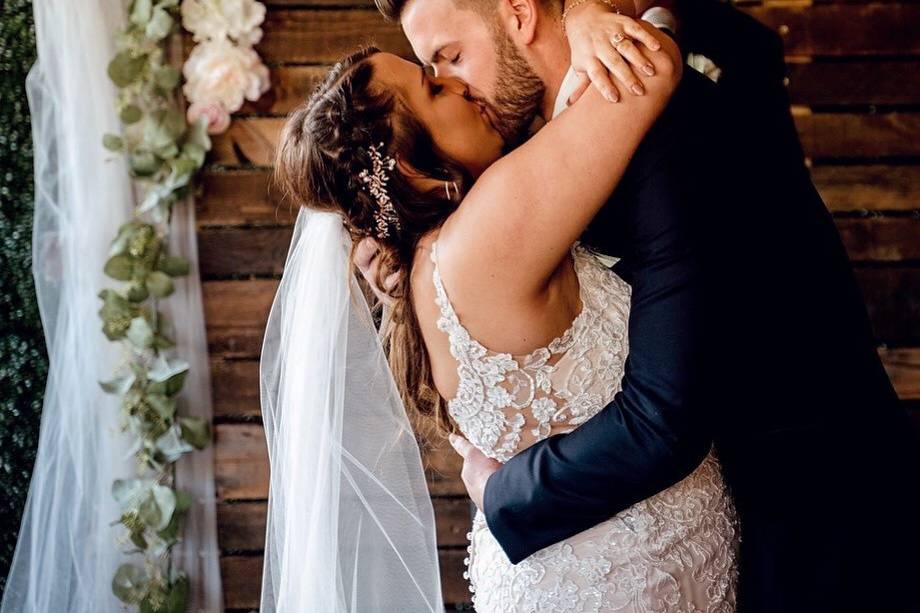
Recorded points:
(165, 149)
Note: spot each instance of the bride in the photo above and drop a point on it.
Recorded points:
(503, 328)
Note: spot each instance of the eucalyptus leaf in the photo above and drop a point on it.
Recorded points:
(140, 333)
(174, 266)
(129, 584)
(124, 69)
(118, 385)
(129, 492)
(168, 151)
(113, 142)
(198, 134)
(120, 242)
(195, 153)
(183, 500)
(148, 511)
(167, 77)
(159, 284)
(195, 431)
(163, 368)
(163, 405)
(160, 25)
(172, 445)
(141, 12)
(119, 267)
(116, 314)
(166, 500)
(143, 162)
(131, 114)
(137, 292)
(178, 596)
(163, 342)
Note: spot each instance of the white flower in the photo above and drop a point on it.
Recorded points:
(217, 115)
(219, 71)
(218, 19)
(703, 64)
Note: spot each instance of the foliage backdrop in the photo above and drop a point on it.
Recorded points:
(23, 358)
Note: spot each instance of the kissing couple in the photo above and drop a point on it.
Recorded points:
(609, 280)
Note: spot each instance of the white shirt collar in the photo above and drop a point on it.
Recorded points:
(566, 89)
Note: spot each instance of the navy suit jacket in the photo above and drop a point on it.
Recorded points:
(747, 330)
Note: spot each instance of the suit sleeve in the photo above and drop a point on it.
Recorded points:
(654, 432)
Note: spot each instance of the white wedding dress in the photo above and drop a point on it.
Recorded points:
(673, 552)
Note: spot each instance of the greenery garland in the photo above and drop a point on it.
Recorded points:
(165, 150)
(163, 153)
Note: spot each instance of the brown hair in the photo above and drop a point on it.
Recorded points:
(323, 148)
(393, 9)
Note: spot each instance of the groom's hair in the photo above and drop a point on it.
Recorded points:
(393, 9)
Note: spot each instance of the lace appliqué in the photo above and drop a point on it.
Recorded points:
(505, 402)
(675, 551)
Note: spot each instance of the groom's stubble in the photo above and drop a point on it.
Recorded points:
(518, 91)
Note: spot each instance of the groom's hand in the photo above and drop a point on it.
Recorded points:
(477, 468)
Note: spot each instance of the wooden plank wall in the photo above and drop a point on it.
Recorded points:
(853, 79)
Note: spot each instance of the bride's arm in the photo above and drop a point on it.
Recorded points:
(523, 214)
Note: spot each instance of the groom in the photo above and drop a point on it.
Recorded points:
(746, 325)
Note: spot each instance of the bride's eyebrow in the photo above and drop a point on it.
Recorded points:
(436, 54)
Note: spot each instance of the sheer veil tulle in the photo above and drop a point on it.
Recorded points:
(350, 523)
(68, 549)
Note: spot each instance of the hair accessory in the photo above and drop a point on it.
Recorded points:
(376, 180)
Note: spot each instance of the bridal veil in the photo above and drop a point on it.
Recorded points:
(350, 523)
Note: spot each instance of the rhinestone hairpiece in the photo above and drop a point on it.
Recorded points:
(376, 182)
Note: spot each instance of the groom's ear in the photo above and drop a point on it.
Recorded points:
(520, 19)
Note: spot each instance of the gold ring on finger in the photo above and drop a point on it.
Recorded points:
(618, 38)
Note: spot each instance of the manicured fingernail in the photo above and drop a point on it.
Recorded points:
(649, 70)
(610, 97)
(638, 90)
(656, 46)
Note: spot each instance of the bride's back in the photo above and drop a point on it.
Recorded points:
(515, 374)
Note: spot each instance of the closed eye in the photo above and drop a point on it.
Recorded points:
(455, 60)
(434, 88)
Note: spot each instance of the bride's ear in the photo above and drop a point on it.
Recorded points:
(418, 180)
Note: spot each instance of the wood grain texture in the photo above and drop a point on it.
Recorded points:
(225, 252)
(244, 197)
(242, 524)
(877, 28)
(852, 76)
(251, 141)
(326, 35)
(243, 576)
(241, 465)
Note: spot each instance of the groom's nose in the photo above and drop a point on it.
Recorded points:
(454, 85)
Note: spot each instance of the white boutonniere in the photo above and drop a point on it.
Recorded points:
(703, 64)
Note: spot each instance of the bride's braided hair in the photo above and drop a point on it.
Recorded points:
(324, 147)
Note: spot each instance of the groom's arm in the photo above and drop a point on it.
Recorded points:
(654, 432)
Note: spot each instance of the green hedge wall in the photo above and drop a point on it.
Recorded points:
(23, 359)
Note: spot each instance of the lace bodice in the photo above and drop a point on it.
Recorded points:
(673, 552)
(505, 402)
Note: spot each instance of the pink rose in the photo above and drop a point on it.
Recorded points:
(217, 115)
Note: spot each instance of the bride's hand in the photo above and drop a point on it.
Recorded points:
(592, 29)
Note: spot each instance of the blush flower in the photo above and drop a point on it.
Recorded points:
(219, 71)
(219, 19)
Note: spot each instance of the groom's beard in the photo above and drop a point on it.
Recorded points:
(519, 92)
